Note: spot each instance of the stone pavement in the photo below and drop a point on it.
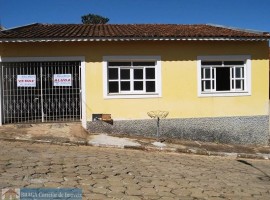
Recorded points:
(111, 173)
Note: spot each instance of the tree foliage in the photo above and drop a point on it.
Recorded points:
(94, 19)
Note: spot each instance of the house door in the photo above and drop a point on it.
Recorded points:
(41, 91)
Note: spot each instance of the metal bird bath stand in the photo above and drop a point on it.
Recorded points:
(158, 115)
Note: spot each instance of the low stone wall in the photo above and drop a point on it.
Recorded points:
(234, 130)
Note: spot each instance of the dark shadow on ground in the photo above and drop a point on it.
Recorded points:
(265, 176)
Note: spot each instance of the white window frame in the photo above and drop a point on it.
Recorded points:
(139, 94)
(232, 92)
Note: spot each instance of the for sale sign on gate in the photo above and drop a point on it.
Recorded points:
(26, 80)
(62, 80)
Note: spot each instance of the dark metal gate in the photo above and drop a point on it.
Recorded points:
(41, 91)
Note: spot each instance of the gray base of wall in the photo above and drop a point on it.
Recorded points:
(233, 130)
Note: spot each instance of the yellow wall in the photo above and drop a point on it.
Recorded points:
(179, 76)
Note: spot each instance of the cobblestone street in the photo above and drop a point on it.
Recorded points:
(108, 173)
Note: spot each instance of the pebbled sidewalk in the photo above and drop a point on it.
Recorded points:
(74, 134)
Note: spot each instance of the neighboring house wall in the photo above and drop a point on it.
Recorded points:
(230, 119)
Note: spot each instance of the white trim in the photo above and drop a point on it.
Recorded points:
(107, 59)
(66, 58)
(1, 93)
(128, 58)
(83, 92)
(131, 39)
(40, 59)
(224, 57)
(134, 96)
(246, 58)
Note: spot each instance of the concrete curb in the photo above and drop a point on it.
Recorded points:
(135, 147)
(203, 152)
(254, 156)
(194, 151)
(70, 143)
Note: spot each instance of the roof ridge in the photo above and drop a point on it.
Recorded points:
(121, 24)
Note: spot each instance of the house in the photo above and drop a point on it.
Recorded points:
(212, 80)
(8, 194)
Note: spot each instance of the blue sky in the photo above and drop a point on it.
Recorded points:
(249, 14)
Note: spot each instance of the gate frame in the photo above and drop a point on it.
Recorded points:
(44, 59)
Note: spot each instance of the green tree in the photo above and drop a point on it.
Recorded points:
(94, 19)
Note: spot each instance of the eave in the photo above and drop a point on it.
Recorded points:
(104, 39)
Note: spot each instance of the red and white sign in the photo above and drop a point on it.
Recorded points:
(26, 80)
(62, 80)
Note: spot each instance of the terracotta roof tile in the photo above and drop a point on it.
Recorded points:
(70, 31)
